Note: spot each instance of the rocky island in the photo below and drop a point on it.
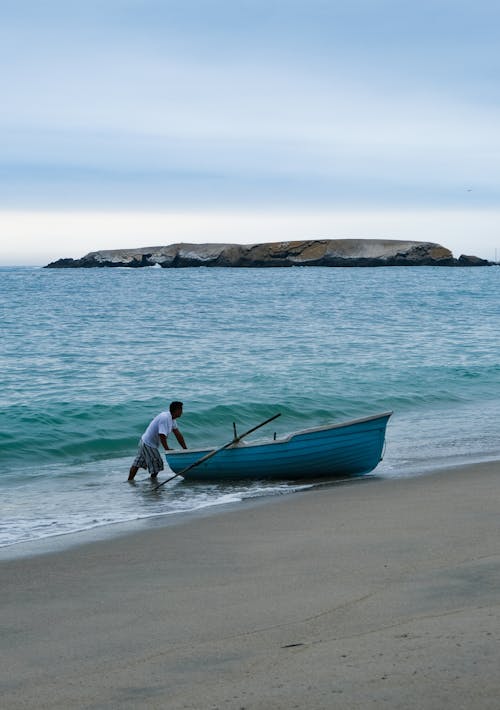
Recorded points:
(308, 252)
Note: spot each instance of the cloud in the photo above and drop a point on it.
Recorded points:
(166, 105)
(410, 152)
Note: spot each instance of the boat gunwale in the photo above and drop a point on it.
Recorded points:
(245, 444)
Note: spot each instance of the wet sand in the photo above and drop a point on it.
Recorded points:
(377, 594)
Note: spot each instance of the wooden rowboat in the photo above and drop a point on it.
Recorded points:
(352, 448)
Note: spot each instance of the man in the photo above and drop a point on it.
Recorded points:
(148, 455)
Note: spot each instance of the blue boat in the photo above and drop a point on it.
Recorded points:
(352, 448)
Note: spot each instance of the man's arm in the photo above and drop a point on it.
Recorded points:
(163, 440)
(179, 438)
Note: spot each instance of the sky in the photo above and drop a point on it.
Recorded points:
(129, 123)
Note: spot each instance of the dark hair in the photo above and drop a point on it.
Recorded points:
(175, 406)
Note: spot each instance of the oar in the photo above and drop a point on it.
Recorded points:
(216, 451)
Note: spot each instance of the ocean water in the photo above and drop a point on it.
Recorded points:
(88, 357)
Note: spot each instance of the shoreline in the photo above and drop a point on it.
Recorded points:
(382, 595)
(61, 542)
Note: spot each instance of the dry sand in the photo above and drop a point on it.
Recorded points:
(380, 594)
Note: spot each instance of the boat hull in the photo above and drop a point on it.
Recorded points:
(350, 449)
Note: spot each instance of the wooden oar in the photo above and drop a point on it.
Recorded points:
(216, 451)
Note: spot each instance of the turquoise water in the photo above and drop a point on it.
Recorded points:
(88, 357)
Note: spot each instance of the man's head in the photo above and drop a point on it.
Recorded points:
(175, 409)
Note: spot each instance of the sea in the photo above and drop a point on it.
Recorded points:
(89, 356)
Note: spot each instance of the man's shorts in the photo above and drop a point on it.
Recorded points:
(148, 457)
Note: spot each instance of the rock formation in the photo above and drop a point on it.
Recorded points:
(308, 252)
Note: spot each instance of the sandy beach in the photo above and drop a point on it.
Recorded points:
(376, 594)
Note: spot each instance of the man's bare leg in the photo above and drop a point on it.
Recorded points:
(132, 472)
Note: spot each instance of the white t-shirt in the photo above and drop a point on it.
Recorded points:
(161, 424)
